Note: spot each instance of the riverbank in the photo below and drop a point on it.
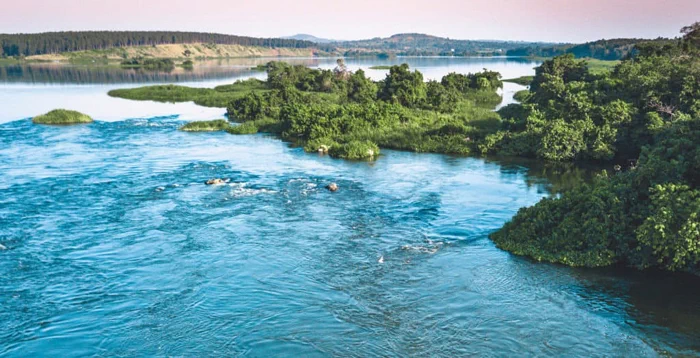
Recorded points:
(178, 51)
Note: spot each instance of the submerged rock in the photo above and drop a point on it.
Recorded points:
(333, 187)
(216, 181)
(3, 247)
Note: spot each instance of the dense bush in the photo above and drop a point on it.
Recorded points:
(647, 215)
(355, 150)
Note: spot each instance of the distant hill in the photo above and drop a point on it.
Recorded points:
(422, 44)
(310, 38)
(60, 42)
(613, 49)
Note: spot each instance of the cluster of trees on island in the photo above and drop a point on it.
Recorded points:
(59, 42)
(646, 215)
(643, 115)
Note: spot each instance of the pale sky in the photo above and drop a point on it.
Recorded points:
(530, 20)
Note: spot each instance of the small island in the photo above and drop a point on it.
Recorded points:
(62, 117)
(206, 126)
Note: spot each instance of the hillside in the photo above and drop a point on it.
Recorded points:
(613, 49)
(422, 44)
(311, 38)
(61, 42)
(196, 50)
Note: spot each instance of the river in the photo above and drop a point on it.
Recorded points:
(116, 248)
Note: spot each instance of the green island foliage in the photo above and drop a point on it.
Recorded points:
(353, 117)
(523, 81)
(380, 67)
(348, 113)
(206, 126)
(646, 215)
(219, 96)
(61, 117)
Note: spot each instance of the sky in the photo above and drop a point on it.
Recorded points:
(526, 20)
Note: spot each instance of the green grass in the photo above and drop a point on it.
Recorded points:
(62, 116)
(599, 66)
(219, 97)
(523, 81)
(206, 126)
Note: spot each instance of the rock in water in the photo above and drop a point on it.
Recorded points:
(216, 181)
(2, 247)
(323, 149)
(333, 187)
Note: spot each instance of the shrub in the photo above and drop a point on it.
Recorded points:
(355, 150)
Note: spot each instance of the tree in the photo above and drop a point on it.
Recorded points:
(403, 86)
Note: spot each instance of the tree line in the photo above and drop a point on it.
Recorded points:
(614, 49)
(646, 115)
(58, 42)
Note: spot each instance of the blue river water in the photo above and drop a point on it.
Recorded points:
(115, 247)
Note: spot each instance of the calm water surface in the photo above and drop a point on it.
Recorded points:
(116, 248)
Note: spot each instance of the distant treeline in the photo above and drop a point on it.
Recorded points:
(58, 42)
(423, 45)
(615, 49)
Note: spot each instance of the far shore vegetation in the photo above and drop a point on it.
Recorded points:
(382, 67)
(62, 117)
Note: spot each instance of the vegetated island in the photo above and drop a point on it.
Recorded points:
(349, 114)
(380, 67)
(206, 126)
(62, 117)
(643, 115)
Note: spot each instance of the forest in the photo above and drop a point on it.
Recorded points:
(608, 50)
(58, 42)
(645, 114)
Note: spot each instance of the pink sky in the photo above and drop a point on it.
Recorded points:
(543, 20)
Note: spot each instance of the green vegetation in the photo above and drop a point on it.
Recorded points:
(355, 150)
(220, 96)
(155, 64)
(598, 67)
(352, 116)
(646, 215)
(607, 50)
(522, 96)
(349, 114)
(187, 64)
(523, 81)
(380, 68)
(206, 126)
(60, 42)
(62, 116)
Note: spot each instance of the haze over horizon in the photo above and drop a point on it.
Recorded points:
(561, 21)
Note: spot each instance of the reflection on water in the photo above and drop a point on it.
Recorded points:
(58, 73)
(36, 88)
